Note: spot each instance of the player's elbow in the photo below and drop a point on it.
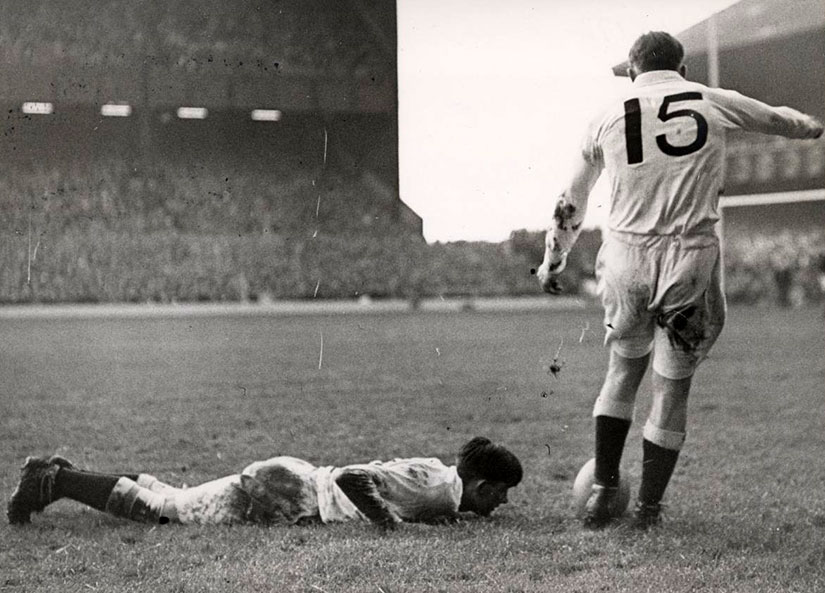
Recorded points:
(353, 480)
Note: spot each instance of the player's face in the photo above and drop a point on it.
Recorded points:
(489, 496)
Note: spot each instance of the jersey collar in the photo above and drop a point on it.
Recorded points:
(656, 76)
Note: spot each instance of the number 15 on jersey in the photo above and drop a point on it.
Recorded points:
(633, 127)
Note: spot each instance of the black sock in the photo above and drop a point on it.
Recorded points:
(133, 477)
(657, 468)
(89, 488)
(610, 437)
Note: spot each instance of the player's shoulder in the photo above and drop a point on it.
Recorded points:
(682, 89)
(397, 461)
(423, 468)
(724, 96)
(602, 118)
(423, 461)
(667, 87)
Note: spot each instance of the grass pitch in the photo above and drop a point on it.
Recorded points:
(194, 399)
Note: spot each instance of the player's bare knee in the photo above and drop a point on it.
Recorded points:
(150, 482)
(615, 408)
(617, 397)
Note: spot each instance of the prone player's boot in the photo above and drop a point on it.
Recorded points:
(597, 510)
(35, 490)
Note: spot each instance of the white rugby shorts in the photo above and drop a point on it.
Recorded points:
(277, 490)
(661, 294)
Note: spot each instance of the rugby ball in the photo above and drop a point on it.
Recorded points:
(582, 488)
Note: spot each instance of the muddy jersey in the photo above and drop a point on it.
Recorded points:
(414, 489)
(663, 146)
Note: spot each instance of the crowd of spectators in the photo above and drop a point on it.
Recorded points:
(111, 233)
(188, 199)
(299, 36)
(786, 268)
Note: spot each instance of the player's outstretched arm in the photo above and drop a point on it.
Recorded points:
(568, 216)
(360, 488)
(755, 116)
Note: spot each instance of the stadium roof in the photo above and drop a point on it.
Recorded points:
(751, 22)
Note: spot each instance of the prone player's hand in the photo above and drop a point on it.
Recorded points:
(390, 523)
(443, 520)
(439, 518)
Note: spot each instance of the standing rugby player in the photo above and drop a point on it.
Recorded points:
(658, 271)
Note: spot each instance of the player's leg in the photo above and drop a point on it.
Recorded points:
(613, 413)
(89, 488)
(693, 315)
(663, 436)
(45, 480)
(621, 269)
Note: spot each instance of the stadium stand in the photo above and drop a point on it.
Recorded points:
(152, 206)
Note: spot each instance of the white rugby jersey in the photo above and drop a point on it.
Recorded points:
(662, 144)
(414, 489)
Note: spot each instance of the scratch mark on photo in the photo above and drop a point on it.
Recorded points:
(321, 355)
(585, 329)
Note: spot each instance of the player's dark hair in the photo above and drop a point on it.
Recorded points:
(656, 50)
(480, 458)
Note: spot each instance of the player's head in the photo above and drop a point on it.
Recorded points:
(487, 471)
(656, 50)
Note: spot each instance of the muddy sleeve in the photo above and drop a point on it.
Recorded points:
(360, 487)
(570, 208)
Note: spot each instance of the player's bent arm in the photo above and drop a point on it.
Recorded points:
(755, 116)
(568, 214)
(360, 488)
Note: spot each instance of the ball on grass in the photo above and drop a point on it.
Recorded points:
(582, 488)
